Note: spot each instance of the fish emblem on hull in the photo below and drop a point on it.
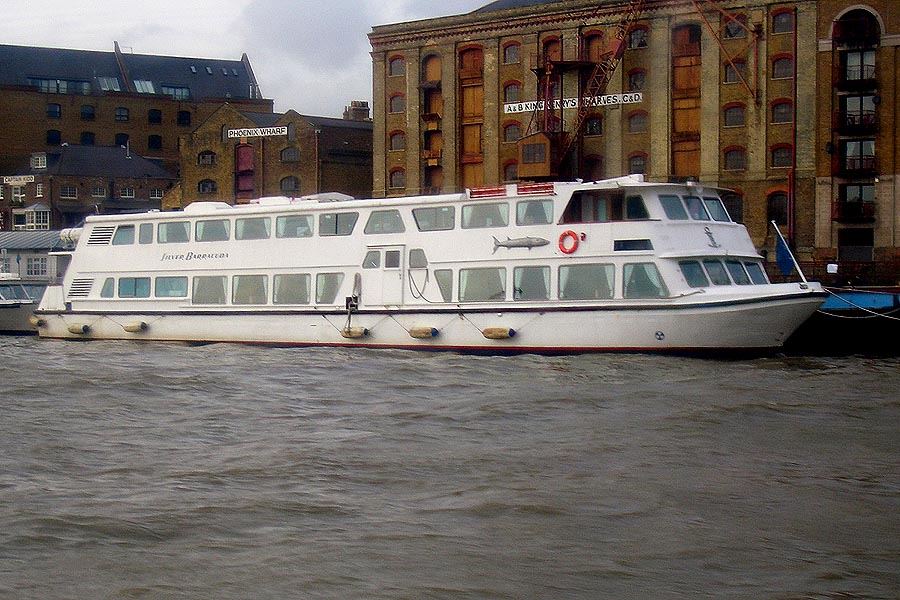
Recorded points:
(522, 242)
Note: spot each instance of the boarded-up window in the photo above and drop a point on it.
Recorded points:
(472, 101)
(471, 136)
(431, 68)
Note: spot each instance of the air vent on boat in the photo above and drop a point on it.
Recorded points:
(80, 288)
(100, 236)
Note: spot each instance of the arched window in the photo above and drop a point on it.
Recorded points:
(122, 114)
(782, 111)
(777, 208)
(121, 139)
(398, 140)
(735, 115)
(736, 27)
(734, 204)
(207, 157)
(290, 184)
(592, 47)
(637, 37)
(512, 92)
(637, 121)
(471, 63)
(783, 67)
(431, 69)
(87, 138)
(512, 53)
(290, 154)
(593, 126)
(184, 117)
(154, 142)
(54, 111)
(734, 70)
(510, 171)
(552, 49)
(637, 163)
(637, 79)
(88, 112)
(783, 21)
(512, 132)
(397, 103)
(397, 178)
(735, 159)
(154, 116)
(782, 155)
(207, 186)
(396, 67)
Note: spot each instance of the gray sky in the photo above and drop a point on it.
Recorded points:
(309, 55)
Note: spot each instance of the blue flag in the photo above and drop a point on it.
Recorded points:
(783, 257)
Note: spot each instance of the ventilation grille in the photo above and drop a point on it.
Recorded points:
(80, 288)
(100, 236)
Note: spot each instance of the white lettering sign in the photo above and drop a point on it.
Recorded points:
(607, 100)
(18, 179)
(257, 132)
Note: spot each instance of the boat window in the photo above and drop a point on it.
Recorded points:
(716, 209)
(212, 231)
(124, 235)
(630, 245)
(294, 226)
(438, 218)
(673, 207)
(171, 287)
(249, 289)
(109, 288)
(738, 274)
(444, 278)
(594, 206)
(475, 216)
(642, 280)
(716, 271)
(696, 209)
(256, 228)
(291, 289)
(757, 275)
(417, 259)
(531, 283)
(327, 286)
(13, 292)
(635, 209)
(384, 221)
(392, 259)
(145, 233)
(482, 285)
(337, 223)
(693, 273)
(534, 212)
(171, 233)
(586, 282)
(372, 259)
(134, 287)
(209, 289)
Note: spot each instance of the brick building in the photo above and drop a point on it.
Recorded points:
(235, 155)
(793, 105)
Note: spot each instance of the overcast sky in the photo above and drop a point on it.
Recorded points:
(309, 55)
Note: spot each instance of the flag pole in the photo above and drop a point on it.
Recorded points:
(788, 248)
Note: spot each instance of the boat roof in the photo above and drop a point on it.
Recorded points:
(47, 239)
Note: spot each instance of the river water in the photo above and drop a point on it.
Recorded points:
(132, 470)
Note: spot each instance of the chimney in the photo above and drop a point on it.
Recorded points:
(357, 111)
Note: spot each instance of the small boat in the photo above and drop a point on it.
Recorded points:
(17, 304)
(614, 265)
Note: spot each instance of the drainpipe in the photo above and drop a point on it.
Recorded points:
(792, 179)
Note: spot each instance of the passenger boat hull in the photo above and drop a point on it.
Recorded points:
(14, 318)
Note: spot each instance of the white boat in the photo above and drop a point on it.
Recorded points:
(17, 303)
(615, 265)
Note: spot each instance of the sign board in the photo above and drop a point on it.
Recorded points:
(607, 100)
(18, 179)
(257, 132)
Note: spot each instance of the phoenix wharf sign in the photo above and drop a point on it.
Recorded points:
(606, 100)
(257, 132)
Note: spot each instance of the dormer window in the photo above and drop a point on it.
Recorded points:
(39, 160)
(143, 86)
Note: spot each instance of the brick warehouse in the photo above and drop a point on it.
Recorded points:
(792, 105)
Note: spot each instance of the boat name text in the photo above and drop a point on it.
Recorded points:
(195, 256)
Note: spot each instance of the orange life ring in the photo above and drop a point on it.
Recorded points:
(565, 249)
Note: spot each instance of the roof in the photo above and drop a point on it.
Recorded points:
(101, 161)
(30, 240)
(270, 119)
(510, 4)
(205, 77)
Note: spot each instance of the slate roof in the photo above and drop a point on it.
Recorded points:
(509, 4)
(206, 77)
(30, 240)
(100, 161)
(270, 119)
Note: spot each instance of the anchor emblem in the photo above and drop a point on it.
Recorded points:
(712, 240)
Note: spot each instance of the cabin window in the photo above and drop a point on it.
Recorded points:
(635, 209)
(134, 287)
(693, 273)
(384, 221)
(417, 259)
(392, 259)
(171, 233)
(250, 289)
(632, 245)
(642, 280)
(145, 233)
(337, 223)
(327, 286)
(673, 208)
(476, 216)
(294, 226)
(590, 206)
(372, 259)
(534, 212)
(737, 272)
(586, 282)
(482, 285)
(218, 230)
(171, 287)
(716, 271)
(696, 209)
(124, 235)
(716, 209)
(444, 278)
(209, 289)
(291, 289)
(756, 272)
(531, 283)
(109, 288)
(257, 228)
(438, 218)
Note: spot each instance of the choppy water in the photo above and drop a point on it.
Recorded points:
(173, 471)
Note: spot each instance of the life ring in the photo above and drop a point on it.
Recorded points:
(566, 235)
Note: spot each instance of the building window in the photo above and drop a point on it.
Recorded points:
(783, 68)
(398, 179)
(121, 139)
(177, 92)
(736, 27)
(87, 138)
(735, 115)
(511, 54)
(206, 158)
(98, 191)
(398, 140)
(735, 159)
(637, 164)
(290, 154)
(184, 117)
(782, 111)
(88, 112)
(290, 184)
(734, 204)
(142, 86)
(637, 79)
(858, 65)
(36, 266)
(54, 137)
(156, 194)
(126, 192)
(154, 116)
(39, 190)
(121, 114)
(734, 71)
(512, 132)
(68, 192)
(637, 122)
(781, 156)
(39, 160)
(109, 84)
(858, 155)
(777, 208)
(783, 22)
(54, 111)
(154, 142)
(511, 171)
(593, 126)
(512, 92)
(396, 67)
(207, 186)
(18, 195)
(637, 38)
(397, 103)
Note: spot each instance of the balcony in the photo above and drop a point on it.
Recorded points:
(855, 122)
(857, 166)
(843, 211)
(855, 77)
(432, 121)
